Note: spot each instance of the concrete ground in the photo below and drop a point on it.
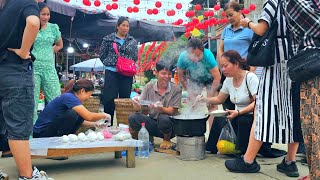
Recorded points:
(157, 167)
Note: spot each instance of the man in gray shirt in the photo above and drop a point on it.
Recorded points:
(163, 99)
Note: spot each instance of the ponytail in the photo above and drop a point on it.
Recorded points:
(75, 86)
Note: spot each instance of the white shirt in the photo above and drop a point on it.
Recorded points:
(240, 96)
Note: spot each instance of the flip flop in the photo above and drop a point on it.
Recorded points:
(166, 151)
(166, 144)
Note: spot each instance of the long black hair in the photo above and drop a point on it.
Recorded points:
(234, 57)
(75, 86)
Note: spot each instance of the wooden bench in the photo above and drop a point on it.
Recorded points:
(58, 152)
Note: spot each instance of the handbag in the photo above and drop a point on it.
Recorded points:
(124, 66)
(261, 51)
(305, 65)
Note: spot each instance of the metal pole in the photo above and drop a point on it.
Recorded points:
(67, 64)
(209, 32)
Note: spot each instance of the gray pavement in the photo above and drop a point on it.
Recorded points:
(158, 167)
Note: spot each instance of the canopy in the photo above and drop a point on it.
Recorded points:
(91, 65)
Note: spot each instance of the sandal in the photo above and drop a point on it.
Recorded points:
(166, 144)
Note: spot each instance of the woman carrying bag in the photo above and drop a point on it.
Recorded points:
(276, 119)
(118, 47)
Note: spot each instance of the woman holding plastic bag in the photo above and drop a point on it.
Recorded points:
(241, 86)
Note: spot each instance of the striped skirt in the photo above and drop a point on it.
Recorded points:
(276, 120)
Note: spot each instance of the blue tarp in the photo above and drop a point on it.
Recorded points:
(91, 65)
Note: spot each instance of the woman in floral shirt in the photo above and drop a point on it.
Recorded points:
(47, 43)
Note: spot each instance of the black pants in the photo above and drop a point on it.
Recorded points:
(67, 123)
(242, 127)
(4, 145)
(156, 127)
(115, 85)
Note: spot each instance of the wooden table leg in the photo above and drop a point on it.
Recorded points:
(118, 154)
(131, 161)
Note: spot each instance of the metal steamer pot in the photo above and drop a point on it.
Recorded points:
(190, 124)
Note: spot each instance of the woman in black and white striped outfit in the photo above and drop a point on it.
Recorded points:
(276, 120)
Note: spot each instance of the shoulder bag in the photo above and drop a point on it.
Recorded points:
(124, 66)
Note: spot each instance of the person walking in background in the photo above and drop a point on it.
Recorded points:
(203, 71)
(305, 34)
(47, 43)
(117, 85)
(276, 120)
(17, 35)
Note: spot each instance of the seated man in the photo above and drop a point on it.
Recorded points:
(166, 98)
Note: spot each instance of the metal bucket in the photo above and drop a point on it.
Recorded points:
(191, 148)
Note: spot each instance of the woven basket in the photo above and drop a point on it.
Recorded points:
(92, 104)
(124, 108)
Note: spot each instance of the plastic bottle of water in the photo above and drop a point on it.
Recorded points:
(143, 136)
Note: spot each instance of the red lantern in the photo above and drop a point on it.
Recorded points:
(158, 4)
(114, 0)
(245, 11)
(108, 7)
(149, 11)
(198, 7)
(136, 2)
(252, 7)
(169, 13)
(114, 6)
(206, 14)
(192, 13)
(178, 5)
(155, 11)
(129, 9)
(135, 9)
(66, 0)
(97, 3)
(173, 12)
(213, 20)
(195, 20)
(211, 13)
(180, 21)
(161, 21)
(216, 7)
(86, 2)
(223, 14)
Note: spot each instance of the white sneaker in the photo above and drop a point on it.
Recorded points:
(37, 175)
(3, 176)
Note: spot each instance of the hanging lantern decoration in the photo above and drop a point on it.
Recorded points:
(129, 9)
(135, 9)
(97, 3)
(223, 14)
(114, 6)
(216, 7)
(206, 14)
(136, 2)
(169, 13)
(161, 21)
(198, 7)
(178, 5)
(108, 7)
(180, 21)
(66, 1)
(155, 11)
(86, 2)
(190, 13)
(252, 7)
(158, 4)
(245, 11)
(114, 0)
(195, 20)
(149, 11)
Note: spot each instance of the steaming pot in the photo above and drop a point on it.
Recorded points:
(190, 125)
